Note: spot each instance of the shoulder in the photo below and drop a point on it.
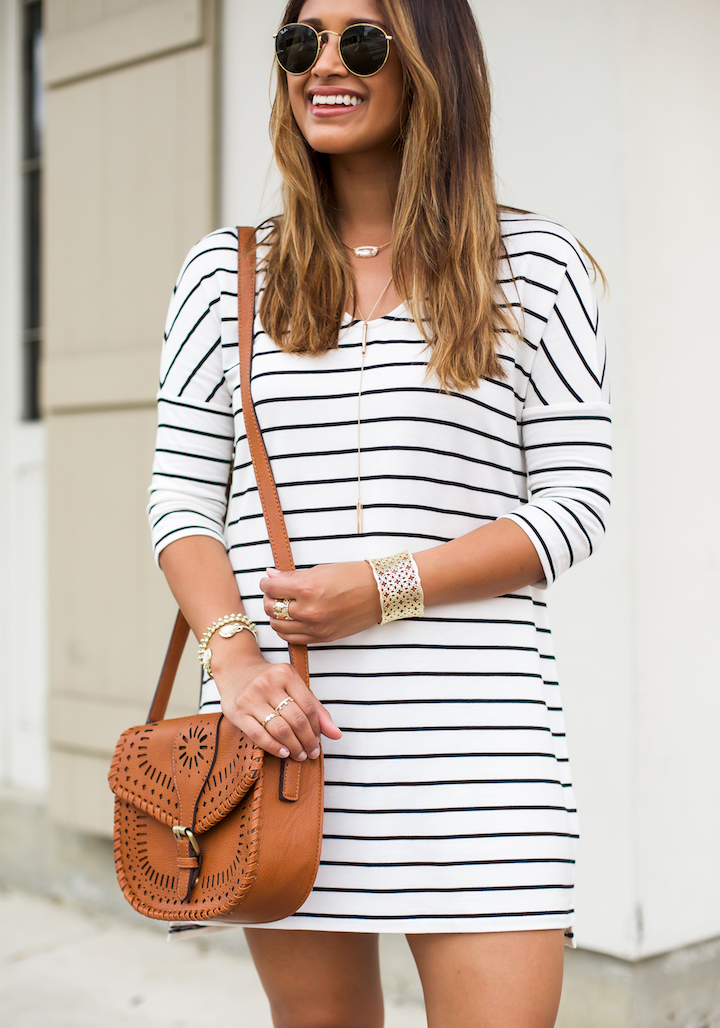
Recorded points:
(541, 248)
(218, 252)
(215, 252)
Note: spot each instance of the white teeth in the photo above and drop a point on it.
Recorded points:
(342, 100)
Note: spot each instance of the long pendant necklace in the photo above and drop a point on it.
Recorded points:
(366, 326)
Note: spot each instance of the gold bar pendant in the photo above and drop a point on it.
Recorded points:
(359, 517)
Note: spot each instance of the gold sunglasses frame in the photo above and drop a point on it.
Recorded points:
(321, 44)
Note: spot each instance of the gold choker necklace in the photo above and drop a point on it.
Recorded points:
(366, 251)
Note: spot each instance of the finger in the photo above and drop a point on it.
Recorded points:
(269, 607)
(297, 723)
(252, 728)
(296, 634)
(303, 716)
(278, 586)
(292, 730)
(305, 708)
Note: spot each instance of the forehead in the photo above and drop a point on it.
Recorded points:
(347, 12)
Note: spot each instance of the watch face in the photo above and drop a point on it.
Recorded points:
(227, 631)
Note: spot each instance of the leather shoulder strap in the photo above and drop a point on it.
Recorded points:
(274, 520)
(171, 663)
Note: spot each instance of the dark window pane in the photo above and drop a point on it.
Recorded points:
(31, 379)
(32, 249)
(32, 114)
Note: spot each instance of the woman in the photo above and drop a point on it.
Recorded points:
(429, 377)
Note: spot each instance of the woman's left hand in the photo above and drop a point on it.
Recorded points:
(327, 602)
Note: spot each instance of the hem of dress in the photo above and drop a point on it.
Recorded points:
(197, 929)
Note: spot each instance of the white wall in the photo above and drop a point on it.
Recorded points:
(248, 181)
(23, 619)
(672, 174)
(558, 100)
(607, 120)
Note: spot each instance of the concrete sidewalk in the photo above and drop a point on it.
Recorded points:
(61, 967)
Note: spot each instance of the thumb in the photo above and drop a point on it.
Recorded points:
(327, 725)
(273, 572)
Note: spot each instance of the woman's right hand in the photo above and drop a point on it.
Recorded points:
(250, 693)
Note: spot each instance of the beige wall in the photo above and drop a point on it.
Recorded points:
(130, 158)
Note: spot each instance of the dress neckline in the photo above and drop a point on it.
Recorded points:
(348, 318)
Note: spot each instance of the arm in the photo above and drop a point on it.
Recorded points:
(333, 601)
(188, 506)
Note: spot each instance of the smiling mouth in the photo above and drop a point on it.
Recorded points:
(339, 100)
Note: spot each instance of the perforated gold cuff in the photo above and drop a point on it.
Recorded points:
(398, 582)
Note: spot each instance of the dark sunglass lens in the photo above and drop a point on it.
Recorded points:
(364, 49)
(296, 47)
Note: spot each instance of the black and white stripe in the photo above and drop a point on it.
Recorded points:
(448, 799)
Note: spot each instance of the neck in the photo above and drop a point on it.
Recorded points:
(365, 188)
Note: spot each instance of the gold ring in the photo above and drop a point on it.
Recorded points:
(281, 610)
(268, 718)
(288, 699)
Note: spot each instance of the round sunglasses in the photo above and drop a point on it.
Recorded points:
(363, 49)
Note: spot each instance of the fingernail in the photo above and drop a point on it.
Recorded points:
(315, 754)
(302, 756)
(284, 753)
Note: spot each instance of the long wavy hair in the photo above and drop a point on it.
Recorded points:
(446, 240)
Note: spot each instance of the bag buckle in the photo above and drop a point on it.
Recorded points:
(180, 832)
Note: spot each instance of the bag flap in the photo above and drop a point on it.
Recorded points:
(190, 771)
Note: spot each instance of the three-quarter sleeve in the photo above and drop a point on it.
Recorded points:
(195, 435)
(565, 430)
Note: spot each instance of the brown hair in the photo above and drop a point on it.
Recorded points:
(446, 233)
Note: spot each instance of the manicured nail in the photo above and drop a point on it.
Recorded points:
(302, 756)
(315, 754)
(284, 753)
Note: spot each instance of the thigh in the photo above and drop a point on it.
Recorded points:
(319, 979)
(491, 980)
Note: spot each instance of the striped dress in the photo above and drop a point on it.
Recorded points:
(448, 803)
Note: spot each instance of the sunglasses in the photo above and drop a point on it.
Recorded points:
(363, 49)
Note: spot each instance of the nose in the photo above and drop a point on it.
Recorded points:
(329, 62)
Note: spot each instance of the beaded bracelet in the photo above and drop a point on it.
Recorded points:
(227, 626)
(398, 582)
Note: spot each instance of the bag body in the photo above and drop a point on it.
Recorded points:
(210, 827)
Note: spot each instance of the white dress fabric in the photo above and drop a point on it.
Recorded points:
(448, 800)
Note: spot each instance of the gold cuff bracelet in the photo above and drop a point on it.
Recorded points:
(398, 582)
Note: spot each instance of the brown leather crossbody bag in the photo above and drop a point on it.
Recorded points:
(207, 825)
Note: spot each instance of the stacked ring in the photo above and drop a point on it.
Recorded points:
(281, 610)
(288, 699)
